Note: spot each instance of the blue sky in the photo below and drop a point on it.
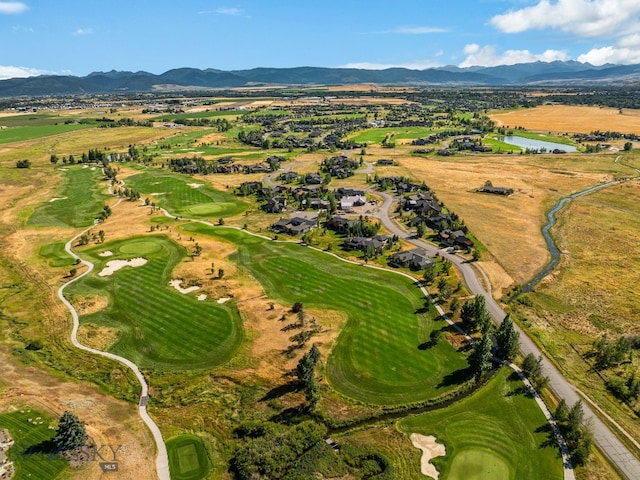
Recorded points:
(80, 36)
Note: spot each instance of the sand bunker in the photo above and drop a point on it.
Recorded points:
(430, 449)
(195, 185)
(106, 253)
(57, 198)
(115, 265)
(224, 299)
(202, 296)
(176, 284)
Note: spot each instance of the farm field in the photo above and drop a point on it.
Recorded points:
(171, 330)
(381, 307)
(78, 202)
(185, 197)
(497, 433)
(570, 118)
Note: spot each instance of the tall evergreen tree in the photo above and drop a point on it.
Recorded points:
(508, 339)
(71, 433)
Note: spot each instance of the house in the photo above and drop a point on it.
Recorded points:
(258, 168)
(340, 224)
(384, 161)
(363, 244)
(347, 192)
(347, 203)
(317, 203)
(247, 188)
(288, 177)
(415, 259)
(488, 188)
(313, 179)
(276, 205)
(295, 225)
(455, 239)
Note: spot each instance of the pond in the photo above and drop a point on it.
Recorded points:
(535, 144)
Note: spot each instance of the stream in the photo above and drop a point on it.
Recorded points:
(551, 245)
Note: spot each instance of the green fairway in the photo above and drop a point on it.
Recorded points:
(78, 203)
(183, 197)
(376, 358)
(30, 431)
(188, 459)
(499, 433)
(20, 134)
(376, 135)
(160, 327)
(56, 255)
(169, 117)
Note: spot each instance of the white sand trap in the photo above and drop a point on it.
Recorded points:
(85, 166)
(430, 449)
(224, 299)
(202, 296)
(195, 185)
(176, 284)
(106, 253)
(155, 194)
(115, 265)
(57, 198)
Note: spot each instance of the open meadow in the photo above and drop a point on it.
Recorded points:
(571, 118)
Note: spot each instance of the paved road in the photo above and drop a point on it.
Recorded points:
(613, 448)
(162, 459)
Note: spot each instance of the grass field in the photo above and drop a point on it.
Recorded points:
(499, 433)
(188, 459)
(79, 200)
(179, 195)
(376, 135)
(568, 118)
(20, 134)
(56, 255)
(169, 330)
(376, 358)
(30, 428)
(169, 117)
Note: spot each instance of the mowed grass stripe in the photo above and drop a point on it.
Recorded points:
(80, 200)
(184, 200)
(26, 435)
(161, 327)
(499, 428)
(376, 357)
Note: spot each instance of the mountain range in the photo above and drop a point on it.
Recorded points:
(569, 73)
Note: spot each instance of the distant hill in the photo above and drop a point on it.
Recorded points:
(537, 73)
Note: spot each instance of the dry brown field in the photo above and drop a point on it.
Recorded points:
(509, 227)
(572, 119)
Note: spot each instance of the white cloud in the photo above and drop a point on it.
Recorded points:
(625, 51)
(415, 65)
(8, 71)
(588, 18)
(234, 12)
(83, 31)
(418, 30)
(487, 57)
(12, 8)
